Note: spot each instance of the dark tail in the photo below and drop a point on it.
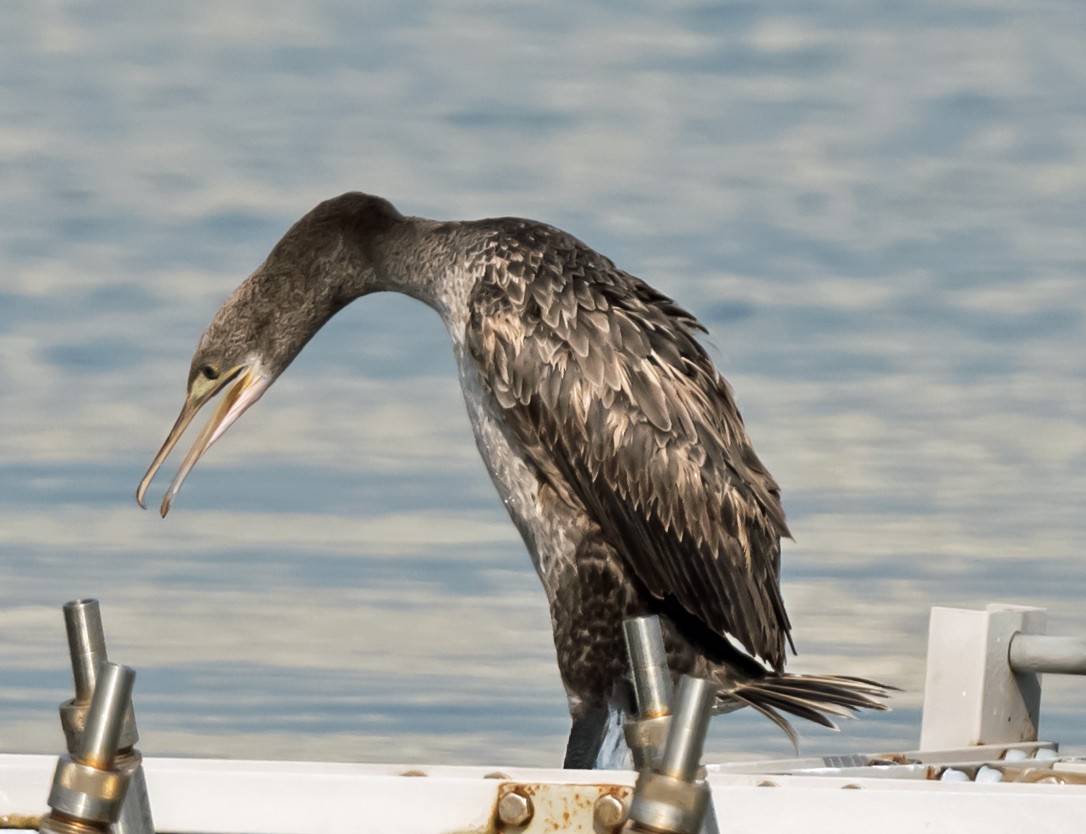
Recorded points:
(814, 697)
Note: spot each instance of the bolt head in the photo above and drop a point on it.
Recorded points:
(610, 812)
(514, 808)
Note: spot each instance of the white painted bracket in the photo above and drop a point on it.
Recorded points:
(971, 694)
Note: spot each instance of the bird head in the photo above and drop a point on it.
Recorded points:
(326, 260)
(244, 374)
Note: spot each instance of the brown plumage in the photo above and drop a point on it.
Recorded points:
(616, 446)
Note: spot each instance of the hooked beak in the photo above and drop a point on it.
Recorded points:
(250, 386)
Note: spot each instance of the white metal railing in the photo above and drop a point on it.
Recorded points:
(1045, 653)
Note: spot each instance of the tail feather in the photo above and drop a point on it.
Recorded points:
(772, 714)
(813, 697)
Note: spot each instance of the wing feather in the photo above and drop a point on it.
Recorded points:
(603, 380)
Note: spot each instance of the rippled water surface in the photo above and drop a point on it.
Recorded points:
(876, 209)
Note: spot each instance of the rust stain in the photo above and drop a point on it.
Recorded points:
(892, 759)
(557, 807)
(21, 821)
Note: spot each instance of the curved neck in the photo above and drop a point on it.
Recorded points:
(425, 260)
(329, 259)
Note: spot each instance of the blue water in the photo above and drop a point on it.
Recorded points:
(876, 209)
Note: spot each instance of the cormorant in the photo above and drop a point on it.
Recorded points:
(613, 441)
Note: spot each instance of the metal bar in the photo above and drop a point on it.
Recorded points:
(689, 724)
(86, 643)
(651, 677)
(88, 791)
(87, 647)
(648, 666)
(105, 719)
(1043, 653)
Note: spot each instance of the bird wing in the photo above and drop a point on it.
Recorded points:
(606, 387)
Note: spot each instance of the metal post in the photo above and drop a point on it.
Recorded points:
(88, 792)
(689, 724)
(648, 666)
(87, 646)
(105, 718)
(652, 690)
(672, 799)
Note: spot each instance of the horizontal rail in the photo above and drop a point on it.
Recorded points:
(221, 796)
(1046, 653)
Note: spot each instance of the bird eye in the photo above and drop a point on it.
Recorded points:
(208, 372)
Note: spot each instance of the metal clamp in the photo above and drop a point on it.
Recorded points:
(671, 795)
(673, 798)
(87, 647)
(88, 792)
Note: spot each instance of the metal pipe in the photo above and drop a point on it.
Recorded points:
(673, 798)
(88, 790)
(105, 719)
(689, 725)
(87, 646)
(1041, 653)
(651, 678)
(86, 643)
(648, 666)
